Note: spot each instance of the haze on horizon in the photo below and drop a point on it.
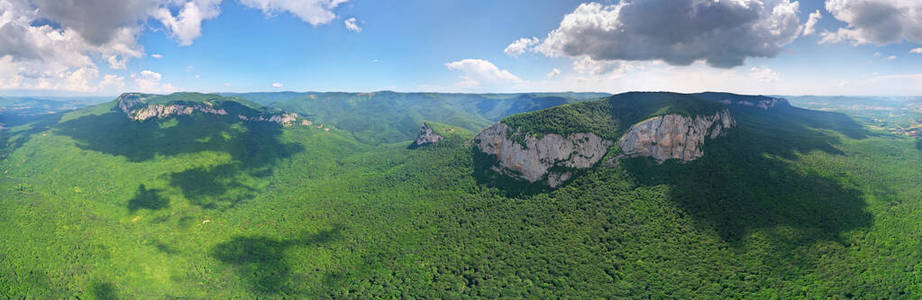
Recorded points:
(106, 47)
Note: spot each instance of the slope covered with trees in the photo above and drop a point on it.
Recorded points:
(387, 117)
(789, 203)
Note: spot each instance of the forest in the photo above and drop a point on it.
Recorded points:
(791, 203)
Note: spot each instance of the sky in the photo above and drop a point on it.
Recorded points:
(779, 47)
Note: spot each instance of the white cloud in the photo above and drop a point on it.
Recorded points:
(891, 57)
(553, 73)
(49, 54)
(875, 21)
(110, 81)
(351, 25)
(810, 26)
(315, 12)
(479, 72)
(764, 74)
(916, 51)
(97, 21)
(58, 44)
(187, 25)
(277, 85)
(519, 46)
(79, 79)
(877, 54)
(679, 32)
(587, 65)
(157, 56)
(148, 81)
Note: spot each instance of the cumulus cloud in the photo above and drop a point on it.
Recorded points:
(810, 26)
(875, 21)
(891, 57)
(42, 53)
(55, 44)
(479, 72)
(148, 81)
(351, 25)
(519, 46)
(587, 65)
(186, 26)
(97, 21)
(679, 32)
(110, 81)
(157, 56)
(277, 85)
(315, 12)
(553, 73)
(764, 74)
(916, 51)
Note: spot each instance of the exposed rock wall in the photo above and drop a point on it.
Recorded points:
(284, 119)
(427, 136)
(532, 161)
(674, 136)
(135, 108)
(163, 111)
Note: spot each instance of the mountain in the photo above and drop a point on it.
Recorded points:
(706, 195)
(577, 136)
(19, 110)
(388, 117)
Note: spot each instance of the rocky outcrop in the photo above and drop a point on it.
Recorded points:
(674, 136)
(534, 157)
(284, 119)
(426, 136)
(163, 111)
(132, 104)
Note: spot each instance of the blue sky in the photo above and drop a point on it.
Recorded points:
(163, 46)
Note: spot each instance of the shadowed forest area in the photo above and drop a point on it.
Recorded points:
(261, 260)
(254, 149)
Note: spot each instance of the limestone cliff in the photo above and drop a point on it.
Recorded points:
(553, 157)
(532, 159)
(132, 104)
(674, 136)
(426, 136)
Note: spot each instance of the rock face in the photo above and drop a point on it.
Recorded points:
(674, 136)
(426, 136)
(133, 106)
(284, 119)
(533, 160)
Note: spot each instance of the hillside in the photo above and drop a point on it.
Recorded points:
(388, 117)
(783, 202)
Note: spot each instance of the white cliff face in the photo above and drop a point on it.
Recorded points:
(163, 111)
(674, 136)
(532, 161)
(133, 106)
(285, 119)
(426, 136)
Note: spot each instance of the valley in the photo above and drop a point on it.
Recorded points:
(781, 202)
(342, 149)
